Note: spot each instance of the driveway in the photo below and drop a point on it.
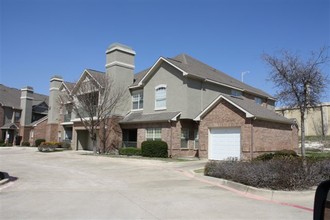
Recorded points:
(69, 185)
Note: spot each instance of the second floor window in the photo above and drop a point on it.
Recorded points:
(258, 100)
(236, 93)
(160, 97)
(17, 116)
(137, 100)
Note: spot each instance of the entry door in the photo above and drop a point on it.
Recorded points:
(224, 143)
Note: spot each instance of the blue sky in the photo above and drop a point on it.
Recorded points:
(42, 38)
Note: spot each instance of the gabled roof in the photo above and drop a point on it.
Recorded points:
(249, 107)
(97, 76)
(190, 66)
(138, 117)
(9, 125)
(11, 97)
(35, 123)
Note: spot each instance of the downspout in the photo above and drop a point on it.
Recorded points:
(322, 121)
(252, 141)
(171, 140)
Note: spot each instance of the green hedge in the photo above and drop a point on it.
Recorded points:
(39, 141)
(26, 143)
(276, 154)
(130, 151)
(154, 149)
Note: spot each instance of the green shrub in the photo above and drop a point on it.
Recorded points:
(130, 151)
(26, 143)
(264, 157)
(39, 141)
(154, 149)
(276, 154)
(283, 173)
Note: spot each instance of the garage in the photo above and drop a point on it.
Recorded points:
(224, 143)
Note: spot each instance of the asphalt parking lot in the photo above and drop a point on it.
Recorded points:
(69, 185)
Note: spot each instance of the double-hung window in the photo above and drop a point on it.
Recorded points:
(236, 93)
(184, 137)
(137, 100)
(160, 97)
(154, 134)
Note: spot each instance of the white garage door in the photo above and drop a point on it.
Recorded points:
(224, 143)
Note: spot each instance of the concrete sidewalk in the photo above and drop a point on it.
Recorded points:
(68, 185)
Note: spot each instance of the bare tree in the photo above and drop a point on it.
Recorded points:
(300, 83)
(95, 100)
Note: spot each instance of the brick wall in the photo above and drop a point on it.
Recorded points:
(39, 132)
(52, 132)
(256, 136)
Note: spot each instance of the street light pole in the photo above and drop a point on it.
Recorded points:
(242, 75)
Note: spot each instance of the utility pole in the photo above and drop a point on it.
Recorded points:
(242, 75)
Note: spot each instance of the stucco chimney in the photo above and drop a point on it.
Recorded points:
(26, 105)
(120, 69)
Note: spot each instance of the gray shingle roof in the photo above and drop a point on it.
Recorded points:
(12, 97)
(201, 70)
(254, 109)
(99, 76)
(69, 85)
(135, 117)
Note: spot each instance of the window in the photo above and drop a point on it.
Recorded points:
(137, 100)
(184, 137)
(258, 100)
(236, 92)
(196, 139)
(154, 134)
(17, 116)
(160, 97)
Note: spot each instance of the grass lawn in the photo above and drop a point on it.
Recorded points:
(317, 154)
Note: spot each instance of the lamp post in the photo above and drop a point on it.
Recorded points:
(242, 75)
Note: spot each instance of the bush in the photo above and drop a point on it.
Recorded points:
(39, 141)
(48, 146)
(65, 145)
(130, 151)
(26, 143)
(279, 174)
(276, 154)
(154, 149)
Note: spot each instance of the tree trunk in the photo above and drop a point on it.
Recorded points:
(302, 134)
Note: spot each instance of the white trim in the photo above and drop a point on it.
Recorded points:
(56, 79)
(175, 118)
(54, 89)
(78, 119)
(120, 49)
(153, 67)
(161, 86)
(118, 63)
(39, 121)
(198, 117)
(27, 97)
(67, 123)
(80, 80)
(27, 89)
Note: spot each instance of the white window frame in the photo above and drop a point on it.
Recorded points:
(138, 99)
(153, 134)
(160, 99)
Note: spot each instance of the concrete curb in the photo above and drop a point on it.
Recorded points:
(245, 189)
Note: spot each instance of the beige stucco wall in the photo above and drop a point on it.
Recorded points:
(313, 121)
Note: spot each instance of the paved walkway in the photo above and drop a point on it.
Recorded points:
(68, 185)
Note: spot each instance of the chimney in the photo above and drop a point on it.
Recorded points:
(120, 69)
(26, 105)
(120, 63)
(52, 128)
(53, 105)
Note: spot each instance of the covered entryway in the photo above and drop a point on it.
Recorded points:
(83, 140)
(224, 143)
